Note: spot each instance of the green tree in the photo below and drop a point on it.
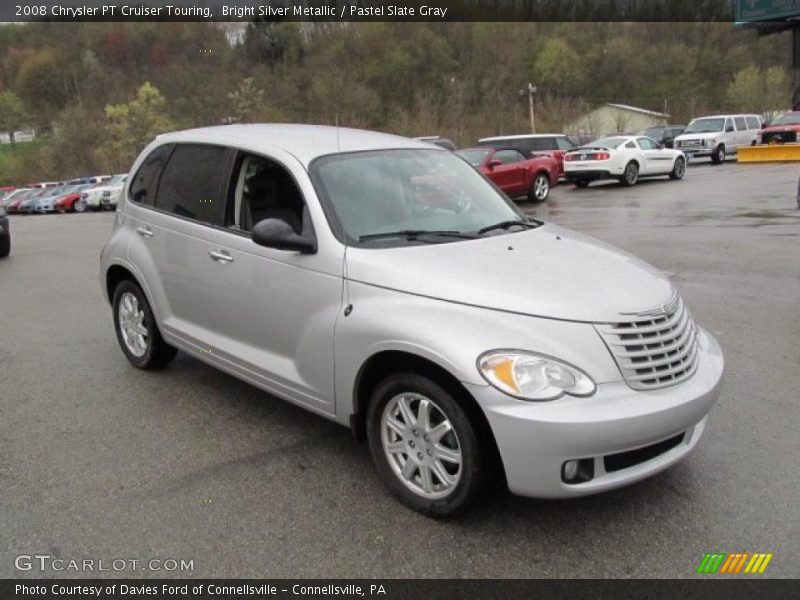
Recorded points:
(12, 113)
(745, 91)
(133, 125)
(558, 67)
(247, 101)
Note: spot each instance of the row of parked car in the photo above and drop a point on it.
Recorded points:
(98, 192)
(529, 165)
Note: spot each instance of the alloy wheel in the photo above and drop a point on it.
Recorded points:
(131, 324)
(421, 445)
(631, 173)
(541, 187)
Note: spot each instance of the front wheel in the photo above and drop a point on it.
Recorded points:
(678, 169)
(540, 189)
(5, 245)
(581, 183)
(79, 206)
(719, 155)
(631, 174)
(424, 445)
(136, 329)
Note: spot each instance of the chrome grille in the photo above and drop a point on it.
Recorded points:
(654, 351)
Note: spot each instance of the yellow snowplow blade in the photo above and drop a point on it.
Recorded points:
(768, 153)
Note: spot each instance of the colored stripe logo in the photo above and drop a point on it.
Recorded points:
(734, 563)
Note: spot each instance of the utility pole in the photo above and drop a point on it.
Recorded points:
(531, 92)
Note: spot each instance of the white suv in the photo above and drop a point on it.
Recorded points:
(718, 136)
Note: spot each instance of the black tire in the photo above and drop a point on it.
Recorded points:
(581, 183)
(475, 451)
(678, 169)
(630, 175)
(158, 353)
(5, 245)
(719, 155)
(533, 196)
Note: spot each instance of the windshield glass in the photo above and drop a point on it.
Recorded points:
(403, 190)
(473, 156)
(611, 142)
(653, 132)
(706, 125)
(115, 180)
(787, 119)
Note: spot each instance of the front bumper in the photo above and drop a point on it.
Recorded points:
(535, 439)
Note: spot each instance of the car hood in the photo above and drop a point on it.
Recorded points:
(548, 272)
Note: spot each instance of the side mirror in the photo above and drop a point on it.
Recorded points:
(494, 163)
(278, 234)
(660, 146)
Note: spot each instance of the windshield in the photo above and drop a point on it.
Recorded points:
(787, 119)
(653, 132)
(473, 156)
(115, 180)
(384, 191)
(706, 125)
(611, 142)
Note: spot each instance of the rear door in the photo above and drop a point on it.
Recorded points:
(743, 136)
(178, 197)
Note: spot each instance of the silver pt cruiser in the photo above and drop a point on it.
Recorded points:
(385, 284)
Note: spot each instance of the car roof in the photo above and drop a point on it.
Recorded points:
(304, 142)
(728, 115)
(521, 137)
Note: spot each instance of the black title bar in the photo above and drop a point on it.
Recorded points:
(368, 10)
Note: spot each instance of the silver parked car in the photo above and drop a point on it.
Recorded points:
(385, 284)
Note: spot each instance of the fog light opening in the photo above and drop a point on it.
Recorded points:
(577, 471)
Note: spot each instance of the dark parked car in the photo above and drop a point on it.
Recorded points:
(535, 144)
(5, 233)
(664, 135)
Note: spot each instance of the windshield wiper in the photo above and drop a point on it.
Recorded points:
(531, 224)
(413, 234)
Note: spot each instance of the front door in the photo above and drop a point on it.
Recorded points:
(276, 310)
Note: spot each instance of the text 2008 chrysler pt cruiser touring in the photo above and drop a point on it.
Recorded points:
(385, 284)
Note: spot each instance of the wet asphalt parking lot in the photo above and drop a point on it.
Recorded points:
(99, 460)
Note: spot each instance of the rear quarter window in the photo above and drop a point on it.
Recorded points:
(144, 182)
(741, 123)
(753, 123)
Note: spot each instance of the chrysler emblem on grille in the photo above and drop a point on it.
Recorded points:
(665, 309)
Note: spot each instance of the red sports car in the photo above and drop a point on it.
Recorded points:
(71, 201)
(784, 129)
(513, 172)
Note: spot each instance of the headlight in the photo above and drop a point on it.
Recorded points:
(531, 376)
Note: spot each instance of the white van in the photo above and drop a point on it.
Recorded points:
(718, 136)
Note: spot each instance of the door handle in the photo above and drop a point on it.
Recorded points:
(144, 231)
(221, 256)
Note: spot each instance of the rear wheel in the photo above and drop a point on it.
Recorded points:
(540, 189)
(5, 245)
(631, 174)
(136, 328)
(424, 445)
(719, 155)
(678, 169)
(581, 183)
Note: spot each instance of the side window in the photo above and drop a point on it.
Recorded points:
(646, 143)
(752, 123)
(143, 184)
(741, 123)
(564, 144)
(190, 185)
(630, 145)
(263, 189)
(508, 157)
